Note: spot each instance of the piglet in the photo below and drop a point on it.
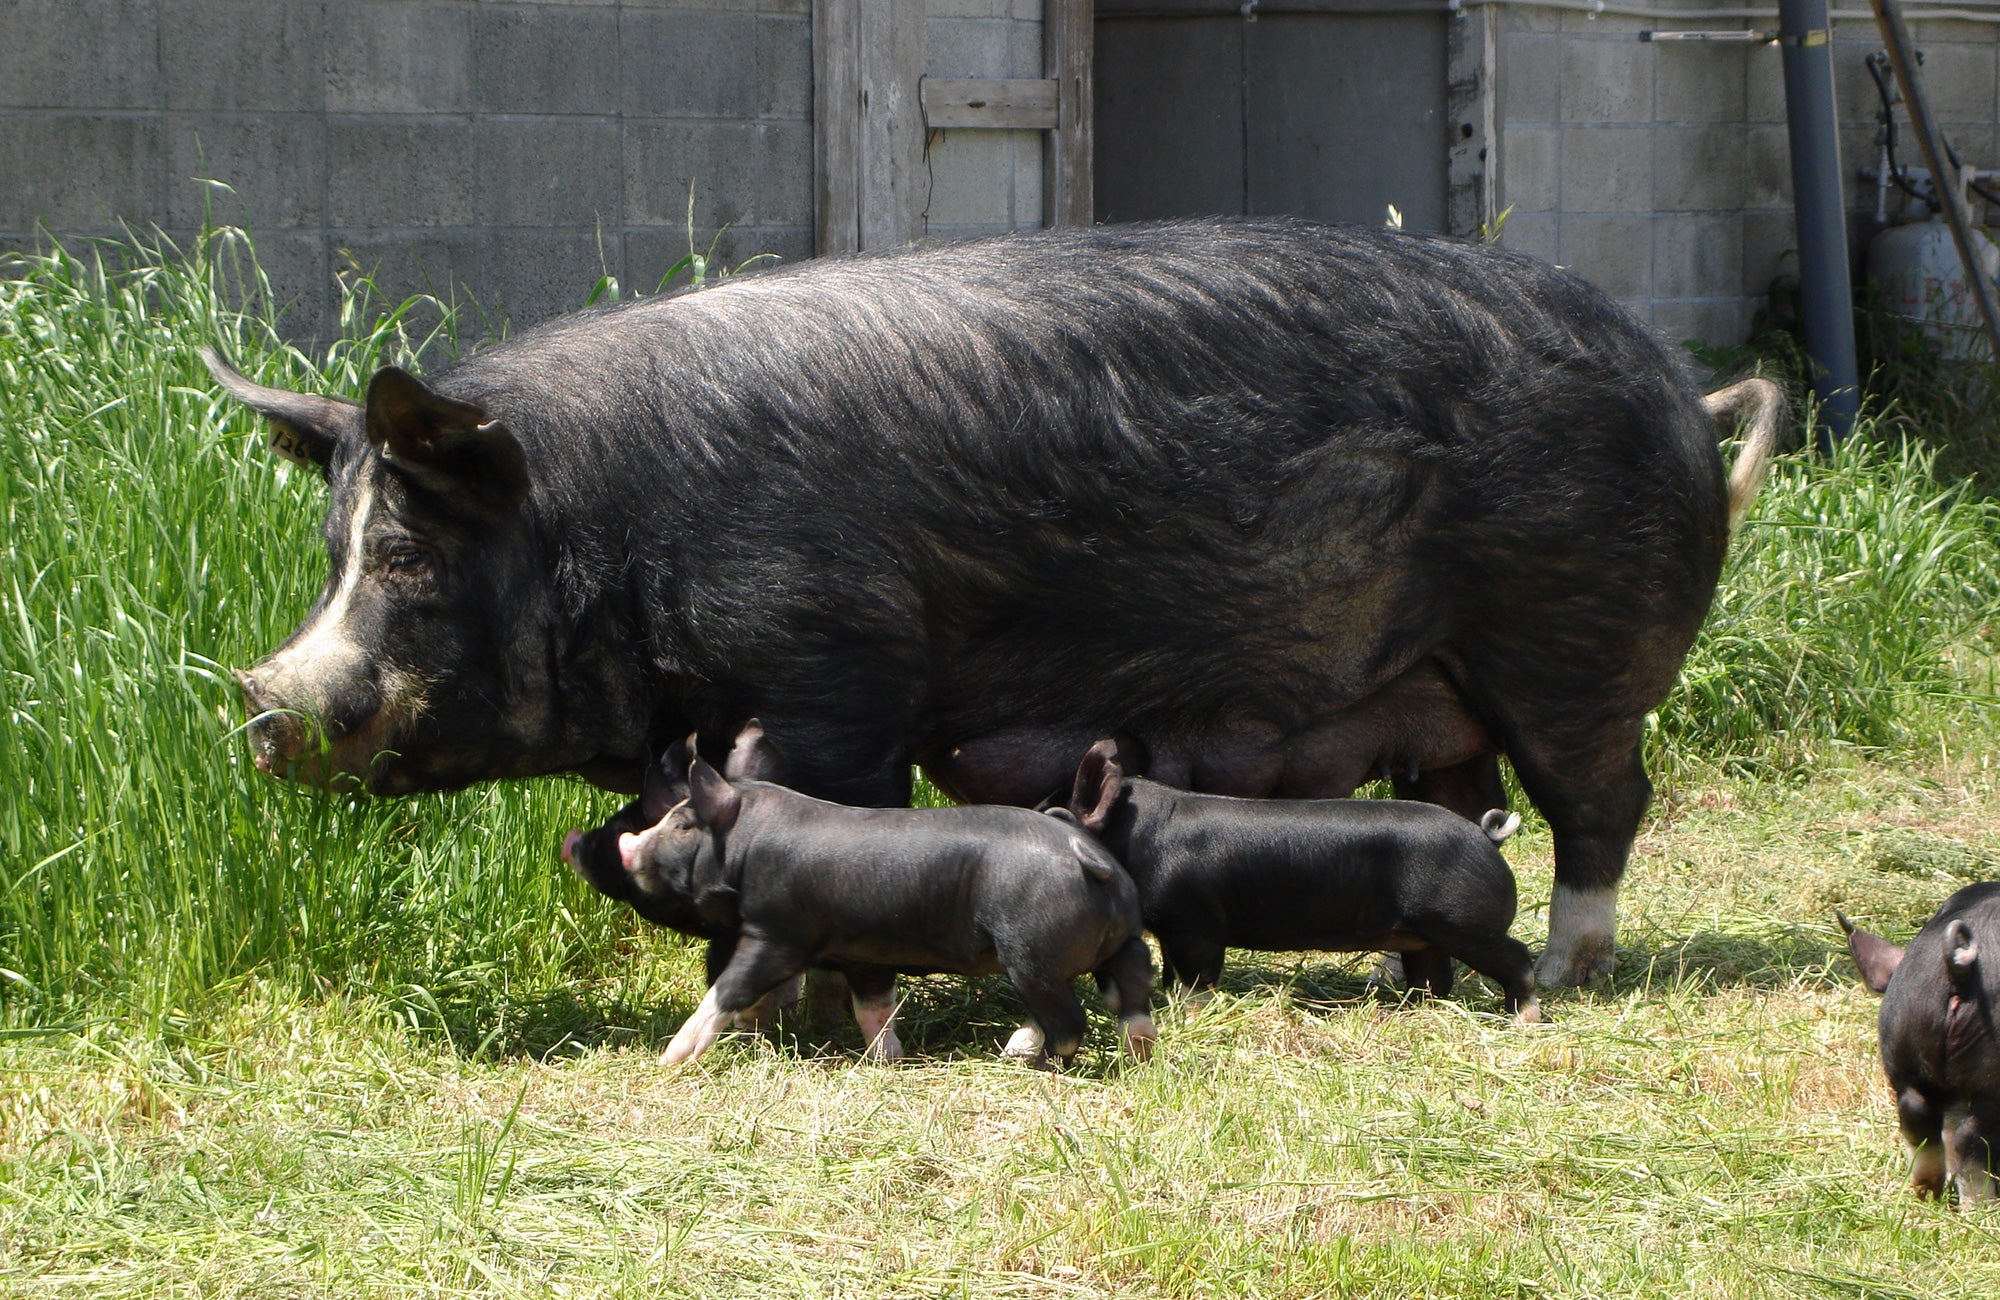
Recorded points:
(876, 892)
(1940, 1039)
(1334, 875)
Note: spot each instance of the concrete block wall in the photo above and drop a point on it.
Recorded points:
(1662, 171)
(517, 151)
(983, 182)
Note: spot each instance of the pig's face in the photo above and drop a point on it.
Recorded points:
(662, 852)
(425, 662)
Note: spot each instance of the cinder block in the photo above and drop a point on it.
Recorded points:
(1764, 85)
(1699, 82)
(1530, 172)
(1716, 322)
(969, 188)
(785, 175)
(1959, 81)
(545, 60)
(1028, 10)
(443, 265)
(274, 162)
(968, 9)
(964, 47)
(528, 276)
(664, 159)
(82, 172)
(41, 42)
(784, 68)
(295, 267)
(1024, 48)
(1615, 253)
(1532, 233)
(398, 58)
(1529, 80)
(1607, 81)
(707, 6)
(690, 65)
(1855, 99)
(1697, 256)
(794, 8)
(548, 172)
(243, 55)
(1605, 26)
(1027, 149)
(1697, 168)
(1767, 171)
(1607, 169)
(1770, 249)
(651, 252)
(399, 174)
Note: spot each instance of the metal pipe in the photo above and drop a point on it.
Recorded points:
(1826, 291)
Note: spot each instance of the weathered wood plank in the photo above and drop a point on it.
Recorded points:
(1067, 185)
(1021, 104)
(836, 126)
(892, 171)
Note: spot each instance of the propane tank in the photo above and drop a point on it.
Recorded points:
(1920, 278)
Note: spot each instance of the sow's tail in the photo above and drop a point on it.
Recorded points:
(1761, 403)
(1498, 824)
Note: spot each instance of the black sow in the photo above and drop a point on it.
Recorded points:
(1291, 504)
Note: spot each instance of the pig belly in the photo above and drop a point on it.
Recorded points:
(1415, 722)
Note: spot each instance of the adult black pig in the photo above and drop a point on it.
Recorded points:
(1292, 504)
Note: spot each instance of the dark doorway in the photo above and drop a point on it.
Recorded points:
(1331, 109)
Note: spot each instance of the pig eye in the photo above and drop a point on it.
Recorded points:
(405, 560)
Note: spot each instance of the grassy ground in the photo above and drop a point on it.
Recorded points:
(1715, 1124)
(258, 1041)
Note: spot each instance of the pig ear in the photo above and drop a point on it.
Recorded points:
(448, 446)
(716, 803)
(754, 757)
(1961, 956)
(1100, 778)
(305, 427)
(1876, 957)
(666, 782)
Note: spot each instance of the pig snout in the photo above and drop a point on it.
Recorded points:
(570, 841)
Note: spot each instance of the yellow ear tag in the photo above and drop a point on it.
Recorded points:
(288, 442)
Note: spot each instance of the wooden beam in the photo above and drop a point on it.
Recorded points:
(836, 126)
(1023, 104)
(893, 177)
(1067, 193)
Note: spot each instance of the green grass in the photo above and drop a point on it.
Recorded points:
(260, 1041)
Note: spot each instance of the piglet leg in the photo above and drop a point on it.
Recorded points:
(875, 1011)
(755, 968)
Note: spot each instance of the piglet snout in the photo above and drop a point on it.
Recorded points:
(570, 841)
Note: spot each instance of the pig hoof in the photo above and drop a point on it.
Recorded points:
(885, 1048)
(1530, 1013)
(1140, 1035)
(1578, 968)
(1026, 1044)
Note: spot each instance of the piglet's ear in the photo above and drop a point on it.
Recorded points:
(1875, 956)
(716, 803)
(1100, 778)
(446, 446)
(666, 782)
(754, 757)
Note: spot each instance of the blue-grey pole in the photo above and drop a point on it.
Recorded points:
(1819, 201)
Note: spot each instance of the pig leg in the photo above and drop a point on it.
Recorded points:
(1193, 959)
(1428, 971)
(1501, 958)
(1966, 1155)
(1127, 982)
(1058, 1020)
(875, 1011)
(1593, 808)
(756, 968)
(1923, 1129)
